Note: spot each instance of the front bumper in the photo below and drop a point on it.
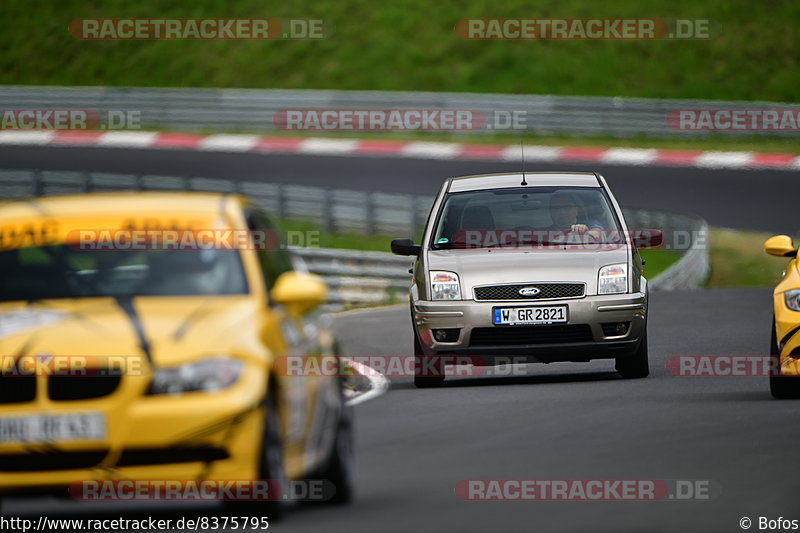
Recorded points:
(192, 436)
(591, 311)
(788, 334)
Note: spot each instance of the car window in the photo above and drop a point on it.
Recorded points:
(537, 212)
(64, 271)
(273, 258)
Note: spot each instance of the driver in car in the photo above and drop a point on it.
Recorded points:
(564, 214)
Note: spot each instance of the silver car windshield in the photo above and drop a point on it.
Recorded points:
(524, 216)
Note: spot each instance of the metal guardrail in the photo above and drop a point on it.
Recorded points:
(691, 270)
(359, 278)
(355, 277)
(684, 233)
(333, 210)
(253, 110)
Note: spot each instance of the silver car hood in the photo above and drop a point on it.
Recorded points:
(493, 266)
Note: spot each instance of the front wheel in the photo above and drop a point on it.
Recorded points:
(637, 365)
(427, 373)
(270, 468)
(781, 387)
(340, 468)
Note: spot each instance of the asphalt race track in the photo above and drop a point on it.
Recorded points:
(575, 421)
(745, 199)
(563, 421)
(559, 421)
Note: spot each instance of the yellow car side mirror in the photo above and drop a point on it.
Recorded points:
(780, 245)
(299, 292)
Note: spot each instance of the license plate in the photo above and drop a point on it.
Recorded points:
(52, 428)
(525, 316)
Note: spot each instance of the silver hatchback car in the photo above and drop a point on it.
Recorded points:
(539, 267)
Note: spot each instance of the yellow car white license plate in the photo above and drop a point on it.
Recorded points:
(53, 428)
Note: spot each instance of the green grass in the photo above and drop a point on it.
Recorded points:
(411, 45)
(658, 261)
(738, 260)
(350, 241)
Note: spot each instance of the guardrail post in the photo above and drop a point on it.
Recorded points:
(328, 224)
(413, 221)
(280, 199)
(369, 215)
(38, 184)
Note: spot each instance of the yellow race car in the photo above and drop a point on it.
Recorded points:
(784, 378)
(125, 358)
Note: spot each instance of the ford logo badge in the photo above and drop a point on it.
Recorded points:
(529, 291)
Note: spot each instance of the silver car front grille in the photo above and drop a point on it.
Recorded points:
(530, 291)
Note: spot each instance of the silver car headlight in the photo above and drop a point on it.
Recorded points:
(445, 285)
(613, 279)
(792, 299)
(209, 374)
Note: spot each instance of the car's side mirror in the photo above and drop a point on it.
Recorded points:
(298, 292)
(647, 238)
(405, 247)
(780, 245)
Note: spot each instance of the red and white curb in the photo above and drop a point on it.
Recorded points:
(420, 150)
(378, 383)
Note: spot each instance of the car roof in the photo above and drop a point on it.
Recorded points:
(534, 179)
(133, 202)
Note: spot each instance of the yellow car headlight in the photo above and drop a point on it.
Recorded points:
(209, 374)
(792, 299)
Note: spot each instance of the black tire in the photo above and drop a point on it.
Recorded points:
(340, 468)
(431, 379)
(270, 468)
(781, 387)
(635, 366)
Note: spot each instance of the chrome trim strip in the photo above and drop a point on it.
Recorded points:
(438, 314)
(620, 307)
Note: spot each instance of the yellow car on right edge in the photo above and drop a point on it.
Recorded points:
(784, 379)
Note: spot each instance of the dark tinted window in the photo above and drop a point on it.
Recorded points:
(66, 272)
(273, 258)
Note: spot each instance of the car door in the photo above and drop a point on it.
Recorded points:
(310, 400)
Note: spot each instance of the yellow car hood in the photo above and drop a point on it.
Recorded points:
(168, 330)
